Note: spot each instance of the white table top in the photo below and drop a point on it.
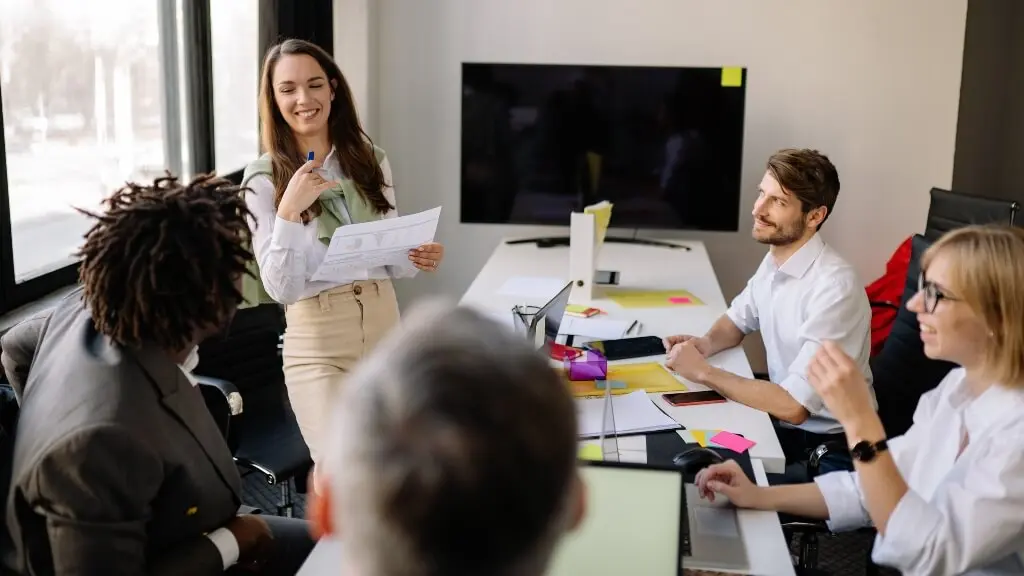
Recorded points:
(654, 268)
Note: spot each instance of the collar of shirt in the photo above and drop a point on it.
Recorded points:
(800, 262)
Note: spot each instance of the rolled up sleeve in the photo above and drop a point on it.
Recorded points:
(969, 523)
(743, 310)
(840, 312)
(279, 244)
(842, 495)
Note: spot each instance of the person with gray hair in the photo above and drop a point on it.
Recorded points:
(453, 453)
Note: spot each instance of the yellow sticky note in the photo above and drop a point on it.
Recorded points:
(701, 437)
(590, 452)
(732, 77)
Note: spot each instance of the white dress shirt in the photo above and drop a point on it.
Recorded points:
(815, 295)
(289, 253)
(961, 515)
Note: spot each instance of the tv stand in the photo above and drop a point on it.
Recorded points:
(556, 241)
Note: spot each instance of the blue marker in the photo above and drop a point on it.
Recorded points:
(309, 156)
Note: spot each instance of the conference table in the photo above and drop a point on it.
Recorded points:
(685, 266)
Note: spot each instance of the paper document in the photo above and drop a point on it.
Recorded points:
(358, 247)
(536, 287)
(600, 328)
(634, 414)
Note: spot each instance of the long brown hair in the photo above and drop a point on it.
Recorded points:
(352, 145)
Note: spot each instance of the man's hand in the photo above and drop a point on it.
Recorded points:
(729, 480)
(255, 541)
(701, 343)
(686, 360)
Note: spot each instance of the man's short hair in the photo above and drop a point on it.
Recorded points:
(456, 451)
(807, 174)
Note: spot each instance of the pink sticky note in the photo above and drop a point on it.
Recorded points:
(679, 300)
(732, 442)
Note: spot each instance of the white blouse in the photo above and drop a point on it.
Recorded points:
(289, 253)
(961, 515)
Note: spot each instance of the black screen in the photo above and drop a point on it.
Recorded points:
(664, 145)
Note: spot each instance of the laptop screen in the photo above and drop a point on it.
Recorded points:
(632, 524)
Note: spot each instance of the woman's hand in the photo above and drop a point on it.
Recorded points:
(729, 480)
(303, 189)
(428, 256)
(841, 385)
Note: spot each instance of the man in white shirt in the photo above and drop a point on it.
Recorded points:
(802, 293)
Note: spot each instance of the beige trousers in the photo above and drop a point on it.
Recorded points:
(325, 337)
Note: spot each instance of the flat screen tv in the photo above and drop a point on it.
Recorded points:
(664, 145)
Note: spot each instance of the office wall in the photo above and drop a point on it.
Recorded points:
(990, 127)
(873, 83)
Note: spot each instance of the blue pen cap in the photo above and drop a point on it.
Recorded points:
(309, 156)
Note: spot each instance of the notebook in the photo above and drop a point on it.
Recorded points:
(634, 414)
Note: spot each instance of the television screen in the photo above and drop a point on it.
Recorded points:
(664, 145)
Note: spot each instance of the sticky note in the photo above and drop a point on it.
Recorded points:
(732, 77)
(590, 452)
(701, 437)
(732, 441)
(680, 300)
(687, 436)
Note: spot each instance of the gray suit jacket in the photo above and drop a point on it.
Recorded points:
(118, 466)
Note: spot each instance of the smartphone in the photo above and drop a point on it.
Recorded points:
(623, 348)
(693, 398)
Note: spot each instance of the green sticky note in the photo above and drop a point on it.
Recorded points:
(590, 452)
(732, 77)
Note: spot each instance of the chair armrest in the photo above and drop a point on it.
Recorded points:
(831, 447)
(229, 390)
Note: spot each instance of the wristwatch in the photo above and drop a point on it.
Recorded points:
(866, 451)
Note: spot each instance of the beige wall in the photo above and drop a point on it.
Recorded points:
(872, 83)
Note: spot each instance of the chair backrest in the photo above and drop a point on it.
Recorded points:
(902, 372)
(949, 210)
(8, 427)
(246, 354)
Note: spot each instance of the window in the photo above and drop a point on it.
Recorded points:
(81, 85)
(234, 41)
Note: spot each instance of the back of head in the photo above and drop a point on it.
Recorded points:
(163, 262)
(456, 452)
(988, 273)
(807, 174)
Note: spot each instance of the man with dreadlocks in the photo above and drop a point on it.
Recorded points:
(119, 467)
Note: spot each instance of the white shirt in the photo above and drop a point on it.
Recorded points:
(815, 295)
(961, 515)
(290, 252)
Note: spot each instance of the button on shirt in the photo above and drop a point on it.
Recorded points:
(961, 515)
(814, 296)
(289, 253)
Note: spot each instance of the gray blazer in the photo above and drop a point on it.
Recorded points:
(118, 466)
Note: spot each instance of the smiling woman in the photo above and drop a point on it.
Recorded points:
(307, 115)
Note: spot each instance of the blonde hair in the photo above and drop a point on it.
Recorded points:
(988, 275)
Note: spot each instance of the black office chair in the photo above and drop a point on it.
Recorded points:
(245, 363)
(949, 210)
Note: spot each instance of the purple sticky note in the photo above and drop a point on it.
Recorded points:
(680, 300)
(590, 366)
(732, 441)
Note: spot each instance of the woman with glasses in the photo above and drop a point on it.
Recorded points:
(947, 497)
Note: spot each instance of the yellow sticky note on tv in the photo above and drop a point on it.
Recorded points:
(732, 77)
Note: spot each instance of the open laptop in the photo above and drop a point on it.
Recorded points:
(644, 519)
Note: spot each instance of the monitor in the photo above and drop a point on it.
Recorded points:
(664, 145)
(633, 523)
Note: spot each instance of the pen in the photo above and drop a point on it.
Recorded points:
(635, 324)
(309, 156)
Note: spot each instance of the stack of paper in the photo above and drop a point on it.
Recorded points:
(634, 414)
(600, 328)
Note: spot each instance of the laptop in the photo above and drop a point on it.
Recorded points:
(644, 519)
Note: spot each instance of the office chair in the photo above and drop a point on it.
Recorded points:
(949, 210)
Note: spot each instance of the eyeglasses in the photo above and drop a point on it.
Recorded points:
(932, 294)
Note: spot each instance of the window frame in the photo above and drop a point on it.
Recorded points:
(194, 99)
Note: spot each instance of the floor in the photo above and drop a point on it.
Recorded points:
(839, 555)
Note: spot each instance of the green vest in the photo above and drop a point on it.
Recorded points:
(330, 218)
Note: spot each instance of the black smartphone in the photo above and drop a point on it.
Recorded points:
(693, 398)
(624, 348)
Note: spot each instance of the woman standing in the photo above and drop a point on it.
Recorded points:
(306, 108)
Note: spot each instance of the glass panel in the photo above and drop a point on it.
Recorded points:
(234, 29)
(82, 89)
